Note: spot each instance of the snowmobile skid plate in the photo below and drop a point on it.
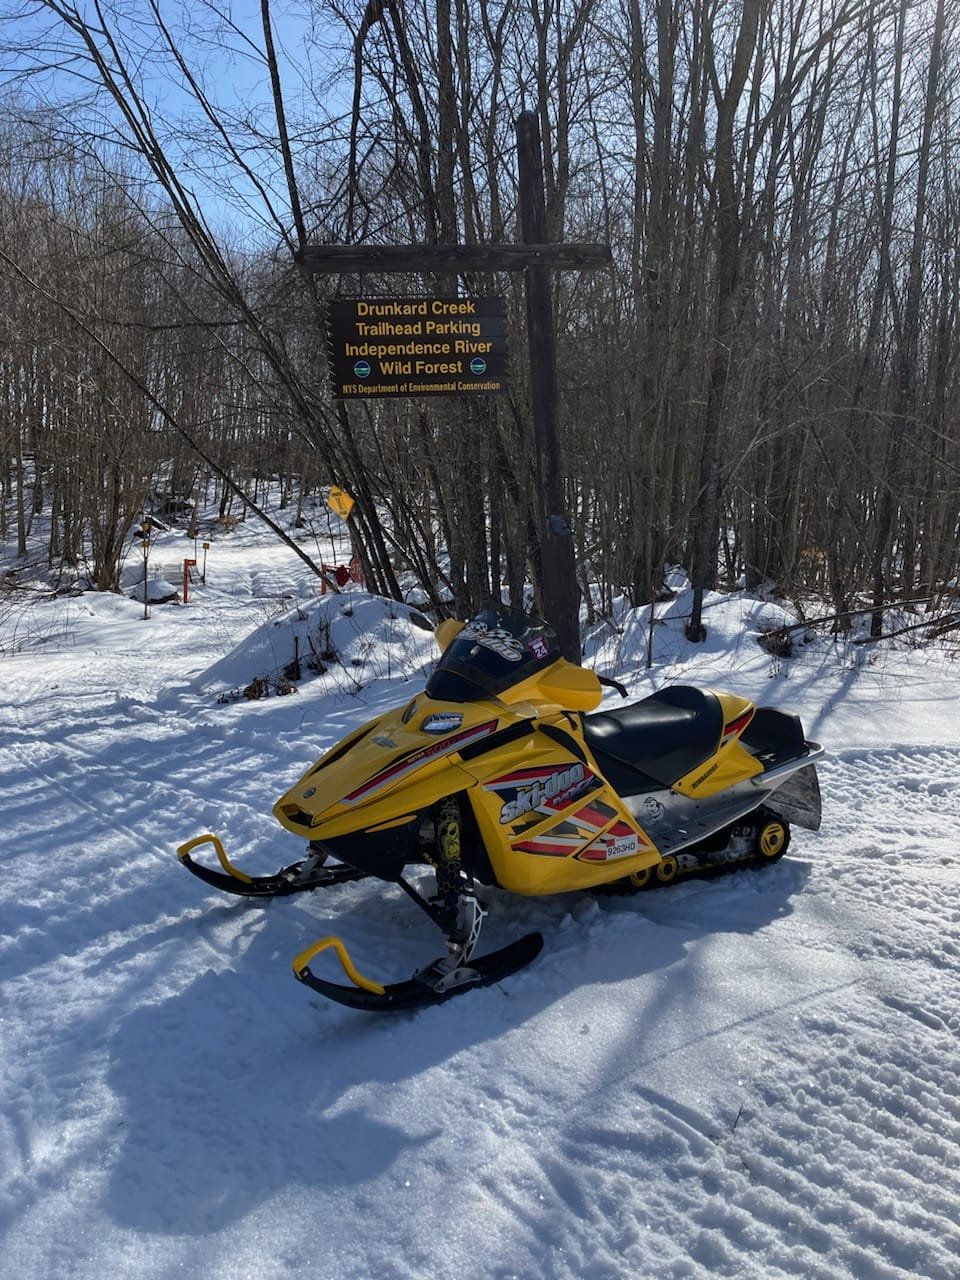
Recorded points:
(288, 880)
(430, 986)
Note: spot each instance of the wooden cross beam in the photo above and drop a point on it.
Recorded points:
(456, 259)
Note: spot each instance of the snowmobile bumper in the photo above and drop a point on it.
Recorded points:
(429, 986)
(296, 878)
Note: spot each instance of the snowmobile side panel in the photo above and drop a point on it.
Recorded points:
(730, 765)
(550, 822)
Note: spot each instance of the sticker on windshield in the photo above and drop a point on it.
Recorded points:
(539, 647)
(497, 639)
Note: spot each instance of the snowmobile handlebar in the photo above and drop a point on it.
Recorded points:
(614, 684)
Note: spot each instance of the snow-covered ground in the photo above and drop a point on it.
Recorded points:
(755, 1076)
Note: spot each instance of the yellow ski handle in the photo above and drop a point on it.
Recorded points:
(301, 962)
(185, 849)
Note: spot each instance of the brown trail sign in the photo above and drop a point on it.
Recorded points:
(536, 258)
(417, 346)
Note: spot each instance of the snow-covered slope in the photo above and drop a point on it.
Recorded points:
(755, 1076)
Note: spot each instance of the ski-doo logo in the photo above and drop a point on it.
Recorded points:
(496, 638)
(553, 786)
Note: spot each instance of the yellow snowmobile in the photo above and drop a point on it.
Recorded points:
(503, 773)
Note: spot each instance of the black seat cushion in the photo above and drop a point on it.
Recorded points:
(662, 737)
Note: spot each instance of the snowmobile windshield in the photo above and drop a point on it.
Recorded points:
(497, 648)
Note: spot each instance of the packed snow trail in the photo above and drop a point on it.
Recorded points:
(753, 1076)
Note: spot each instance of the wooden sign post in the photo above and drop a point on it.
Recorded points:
(537, 258)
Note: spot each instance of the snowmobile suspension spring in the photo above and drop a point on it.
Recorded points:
(449, 866)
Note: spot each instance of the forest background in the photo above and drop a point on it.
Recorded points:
(763, 386)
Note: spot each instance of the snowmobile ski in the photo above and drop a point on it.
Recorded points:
(298, 877)
(432, 985)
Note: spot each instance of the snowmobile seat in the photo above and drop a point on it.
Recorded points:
(661, 738)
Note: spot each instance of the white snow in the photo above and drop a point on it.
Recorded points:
(755, 1076)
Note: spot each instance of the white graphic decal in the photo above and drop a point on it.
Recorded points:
(541, 790)
(496, 639)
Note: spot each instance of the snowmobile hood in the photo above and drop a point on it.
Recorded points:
(501, 671)
(390, 768)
